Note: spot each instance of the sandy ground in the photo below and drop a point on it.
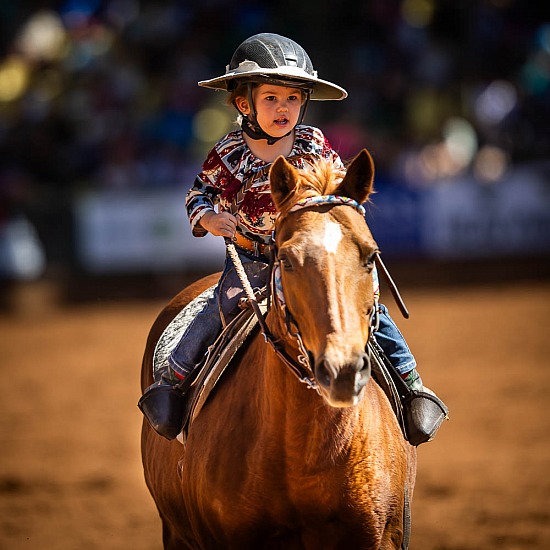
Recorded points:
(70, 465)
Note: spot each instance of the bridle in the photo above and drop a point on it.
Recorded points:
(301, 365)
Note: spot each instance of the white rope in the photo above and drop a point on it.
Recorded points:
(240, 270)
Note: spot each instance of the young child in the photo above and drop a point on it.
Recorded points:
(270, 80)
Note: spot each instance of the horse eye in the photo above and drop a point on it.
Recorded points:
(285, 262)
(369, 262)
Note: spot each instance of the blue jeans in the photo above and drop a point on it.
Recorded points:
(206, 327)
(391, 340)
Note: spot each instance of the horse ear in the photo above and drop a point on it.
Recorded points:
(283, 179)
(357, 184)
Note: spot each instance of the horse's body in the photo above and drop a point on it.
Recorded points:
(269, 463)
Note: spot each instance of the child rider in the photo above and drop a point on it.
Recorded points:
(270, 80)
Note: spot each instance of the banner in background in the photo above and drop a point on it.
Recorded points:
(463, 219)
(125, 232)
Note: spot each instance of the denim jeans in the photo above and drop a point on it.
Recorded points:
(207, 326)
(391, 340)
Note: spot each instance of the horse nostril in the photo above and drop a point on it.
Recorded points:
(364, 364)
(323, 374)
(363, 369)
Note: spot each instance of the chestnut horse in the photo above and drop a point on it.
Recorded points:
(269, 462)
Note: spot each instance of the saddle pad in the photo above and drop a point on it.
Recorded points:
(218, 358)
(207, 374)
(174, 331)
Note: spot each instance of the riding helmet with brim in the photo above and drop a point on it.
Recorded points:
(271, 57)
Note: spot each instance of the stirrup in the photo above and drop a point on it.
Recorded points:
(163, 405)
(423, 414)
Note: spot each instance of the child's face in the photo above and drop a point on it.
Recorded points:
(277, 108)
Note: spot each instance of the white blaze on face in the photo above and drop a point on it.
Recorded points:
(332, 237)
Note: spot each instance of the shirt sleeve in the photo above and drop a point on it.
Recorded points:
(203, 195)
(198, 204)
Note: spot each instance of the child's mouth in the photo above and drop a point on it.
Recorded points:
(281, 121)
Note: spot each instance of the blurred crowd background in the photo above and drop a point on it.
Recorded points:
(103, 126)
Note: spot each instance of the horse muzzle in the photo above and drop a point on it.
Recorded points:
(343, 386)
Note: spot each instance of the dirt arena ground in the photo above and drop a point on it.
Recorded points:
(70, 466)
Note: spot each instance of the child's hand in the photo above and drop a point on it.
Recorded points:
(223, 224)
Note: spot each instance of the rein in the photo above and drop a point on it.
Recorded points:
(301, 366)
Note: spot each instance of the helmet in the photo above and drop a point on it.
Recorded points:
(269, 57)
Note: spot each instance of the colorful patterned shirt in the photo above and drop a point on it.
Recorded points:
(229, 164)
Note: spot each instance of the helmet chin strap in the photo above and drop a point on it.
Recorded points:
(254, 130)
(250, 124)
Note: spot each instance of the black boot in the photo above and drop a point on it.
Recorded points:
(163, 404)
(423, 411)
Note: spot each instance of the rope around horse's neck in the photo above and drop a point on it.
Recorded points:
(247, 287)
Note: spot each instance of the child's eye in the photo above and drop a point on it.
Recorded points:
(293, 98)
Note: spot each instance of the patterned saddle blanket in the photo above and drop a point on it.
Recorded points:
(174, 331)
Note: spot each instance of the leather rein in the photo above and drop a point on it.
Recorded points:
(301, 365)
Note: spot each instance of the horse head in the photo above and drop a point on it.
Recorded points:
(325, 255)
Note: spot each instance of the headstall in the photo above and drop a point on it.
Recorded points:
(301, 365)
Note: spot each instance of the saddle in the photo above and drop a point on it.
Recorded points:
(217, 359)
(202, 381)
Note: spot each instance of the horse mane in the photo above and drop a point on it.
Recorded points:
(322, 176)
(319, 177)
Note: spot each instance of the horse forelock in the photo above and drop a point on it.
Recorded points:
(319, 177)
(323, 177)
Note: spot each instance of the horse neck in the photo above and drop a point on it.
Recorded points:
(307, 425)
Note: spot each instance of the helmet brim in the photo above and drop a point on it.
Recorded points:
(321, 90)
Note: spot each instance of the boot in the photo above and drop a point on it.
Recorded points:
(163, 404)
(423, 411)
